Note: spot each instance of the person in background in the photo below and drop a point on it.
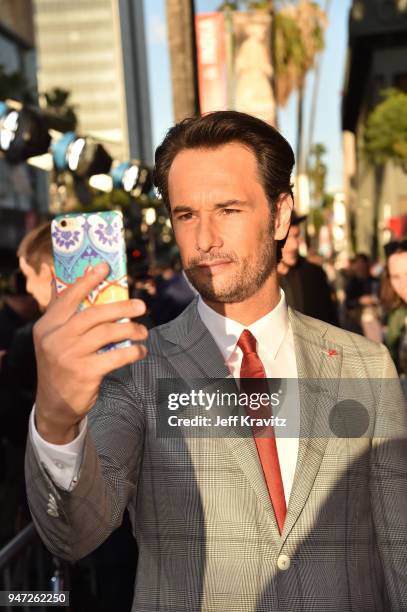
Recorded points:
(173, 292)
(35, 259)
(17, 308)
(305, 284)
(141, 282)
(361, 292)
(393, 294)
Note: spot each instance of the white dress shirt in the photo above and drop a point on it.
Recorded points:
(62, 461)
(275, 347)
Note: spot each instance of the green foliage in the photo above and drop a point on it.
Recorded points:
(15, 86)
(258, 6)
(328, 201)
(290, 48)
(246, 5)
(57, 104)
(232, 6)
(385, 135)
(57, 98)
(118, 198)
(317, 171)
(317, 217)
(106, 201)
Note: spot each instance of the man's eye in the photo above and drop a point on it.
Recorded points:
(185, 216)
(230, 211)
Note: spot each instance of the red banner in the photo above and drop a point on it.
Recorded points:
(398, 226)
(210, 34)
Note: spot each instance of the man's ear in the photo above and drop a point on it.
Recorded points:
(284, 209)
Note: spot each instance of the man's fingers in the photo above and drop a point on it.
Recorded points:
(70, 299)
(103, 313)
(107, 333)
(107, 362)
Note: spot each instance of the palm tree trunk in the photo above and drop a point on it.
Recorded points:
(300, 129)
(182, 48)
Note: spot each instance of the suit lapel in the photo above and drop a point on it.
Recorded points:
(191, 349)
(317, 359)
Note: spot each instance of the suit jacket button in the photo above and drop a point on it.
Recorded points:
(283, 562)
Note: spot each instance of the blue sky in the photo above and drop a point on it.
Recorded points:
(327, 124)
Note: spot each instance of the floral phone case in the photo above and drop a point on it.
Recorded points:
(83, 240)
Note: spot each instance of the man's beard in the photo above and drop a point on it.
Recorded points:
(249, 277)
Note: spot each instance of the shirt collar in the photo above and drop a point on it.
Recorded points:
(269, 330)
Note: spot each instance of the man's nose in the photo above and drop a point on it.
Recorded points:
(207, 237)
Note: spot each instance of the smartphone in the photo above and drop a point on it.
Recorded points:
(81, 241)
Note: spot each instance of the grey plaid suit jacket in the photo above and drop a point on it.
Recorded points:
(200, 510)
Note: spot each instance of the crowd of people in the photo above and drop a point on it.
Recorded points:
(370, 300)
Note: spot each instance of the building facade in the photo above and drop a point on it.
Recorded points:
(376, 197)
(96, 50)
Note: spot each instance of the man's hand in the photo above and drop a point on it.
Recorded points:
(70, 370)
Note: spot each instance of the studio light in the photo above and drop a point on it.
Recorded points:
(132, 177)
(23, 133)
(125, 176)
(3, 109)
(59, 151)
(81, 155)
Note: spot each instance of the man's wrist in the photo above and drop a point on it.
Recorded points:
(55, 433)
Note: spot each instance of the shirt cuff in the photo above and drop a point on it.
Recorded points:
(62, 461)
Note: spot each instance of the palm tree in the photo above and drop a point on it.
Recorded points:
(299, 38)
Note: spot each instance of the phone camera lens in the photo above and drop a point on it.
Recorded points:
(64, 223)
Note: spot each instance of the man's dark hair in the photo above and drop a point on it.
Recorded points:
(275, 157)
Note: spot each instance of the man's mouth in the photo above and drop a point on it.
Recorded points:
(214, 265)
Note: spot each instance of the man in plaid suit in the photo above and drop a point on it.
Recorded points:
(307, 522)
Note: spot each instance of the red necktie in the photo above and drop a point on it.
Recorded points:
(264, 437)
